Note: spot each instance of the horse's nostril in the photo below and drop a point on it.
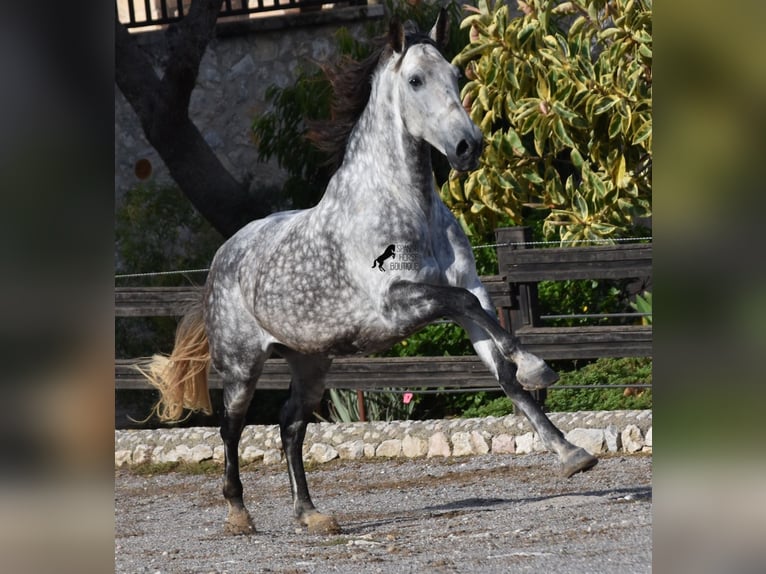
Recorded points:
(462, 148)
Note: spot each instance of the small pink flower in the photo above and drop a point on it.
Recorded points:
(407, 398)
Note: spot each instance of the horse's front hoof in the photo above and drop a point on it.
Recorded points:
(534, 374)
(321, 524)
(576, 461)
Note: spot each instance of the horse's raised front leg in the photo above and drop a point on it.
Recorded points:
(573, 458)
(423, 303)
(306, 389)
(236, 400)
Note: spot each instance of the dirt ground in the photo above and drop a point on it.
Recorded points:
(486, 514)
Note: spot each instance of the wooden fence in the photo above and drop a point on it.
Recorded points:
(514, 294)
(139, 14)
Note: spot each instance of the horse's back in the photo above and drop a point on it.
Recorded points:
(230, 286)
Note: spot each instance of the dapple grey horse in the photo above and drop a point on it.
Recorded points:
(299, 283)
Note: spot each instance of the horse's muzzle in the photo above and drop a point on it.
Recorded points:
(467, 152)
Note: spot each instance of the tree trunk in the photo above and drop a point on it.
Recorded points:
(162, 106)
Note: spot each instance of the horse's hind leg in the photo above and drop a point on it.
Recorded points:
(419, 302)
(237, 395)
(306, 389)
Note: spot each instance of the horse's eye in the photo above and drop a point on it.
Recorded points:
(416, 81)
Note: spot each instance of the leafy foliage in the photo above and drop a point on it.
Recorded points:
(622, 371)
(585, 296)
(563, 94)
(379, 406)
(643, 304)
(158, 229)
(280, 134)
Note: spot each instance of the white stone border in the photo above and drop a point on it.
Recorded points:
(596, 431)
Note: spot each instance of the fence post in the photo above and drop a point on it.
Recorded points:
(524, 309)
(360, 406)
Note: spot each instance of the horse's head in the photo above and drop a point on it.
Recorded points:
(428, 95)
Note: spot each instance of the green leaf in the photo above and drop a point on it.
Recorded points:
(605, 104)
(532, 176)
(553, 186)
(484, 97)
(550, 41)
(543, 88)
(513, 139)
(618, 172)
(607, 33)
(507, 181)
(645, 51)
(541, 133)
(470, 186)
(615, 126)
(576, 158)
(600, 190)
(561, 134)
(581, 206)
(477, 208)
(527, 31)
(643, 132)
(483, 180)
(566, 114)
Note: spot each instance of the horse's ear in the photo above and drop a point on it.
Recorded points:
(440, 32)
(396, 35)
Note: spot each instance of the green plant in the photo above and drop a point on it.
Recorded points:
(643, 304)
(620, 371)
(563, 94)
(157, 229)
(606, 371)
(379, 406)
(280, 134)
(584, 296)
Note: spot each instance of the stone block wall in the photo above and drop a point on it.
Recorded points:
(598, 432)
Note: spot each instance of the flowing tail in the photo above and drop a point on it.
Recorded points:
(181, 377)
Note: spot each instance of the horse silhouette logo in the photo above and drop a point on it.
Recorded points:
(390, 252)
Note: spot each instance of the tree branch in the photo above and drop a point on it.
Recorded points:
(162, 107)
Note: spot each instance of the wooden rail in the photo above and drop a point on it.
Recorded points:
(173, 301)
(525, 268)
(360, 373)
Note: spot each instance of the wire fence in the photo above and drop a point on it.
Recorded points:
(475, 248)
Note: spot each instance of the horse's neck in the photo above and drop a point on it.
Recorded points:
(382, 162)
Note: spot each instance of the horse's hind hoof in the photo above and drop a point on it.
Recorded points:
(576, 461)
(534, 374)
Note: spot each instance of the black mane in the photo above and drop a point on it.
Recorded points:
(351, 83)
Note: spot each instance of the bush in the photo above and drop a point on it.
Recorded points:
(158, 229)
(563, 94)
(608, 371)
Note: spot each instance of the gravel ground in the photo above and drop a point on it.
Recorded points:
(486, 514)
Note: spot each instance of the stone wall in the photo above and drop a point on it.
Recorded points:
(241, 62)
(596, 431)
